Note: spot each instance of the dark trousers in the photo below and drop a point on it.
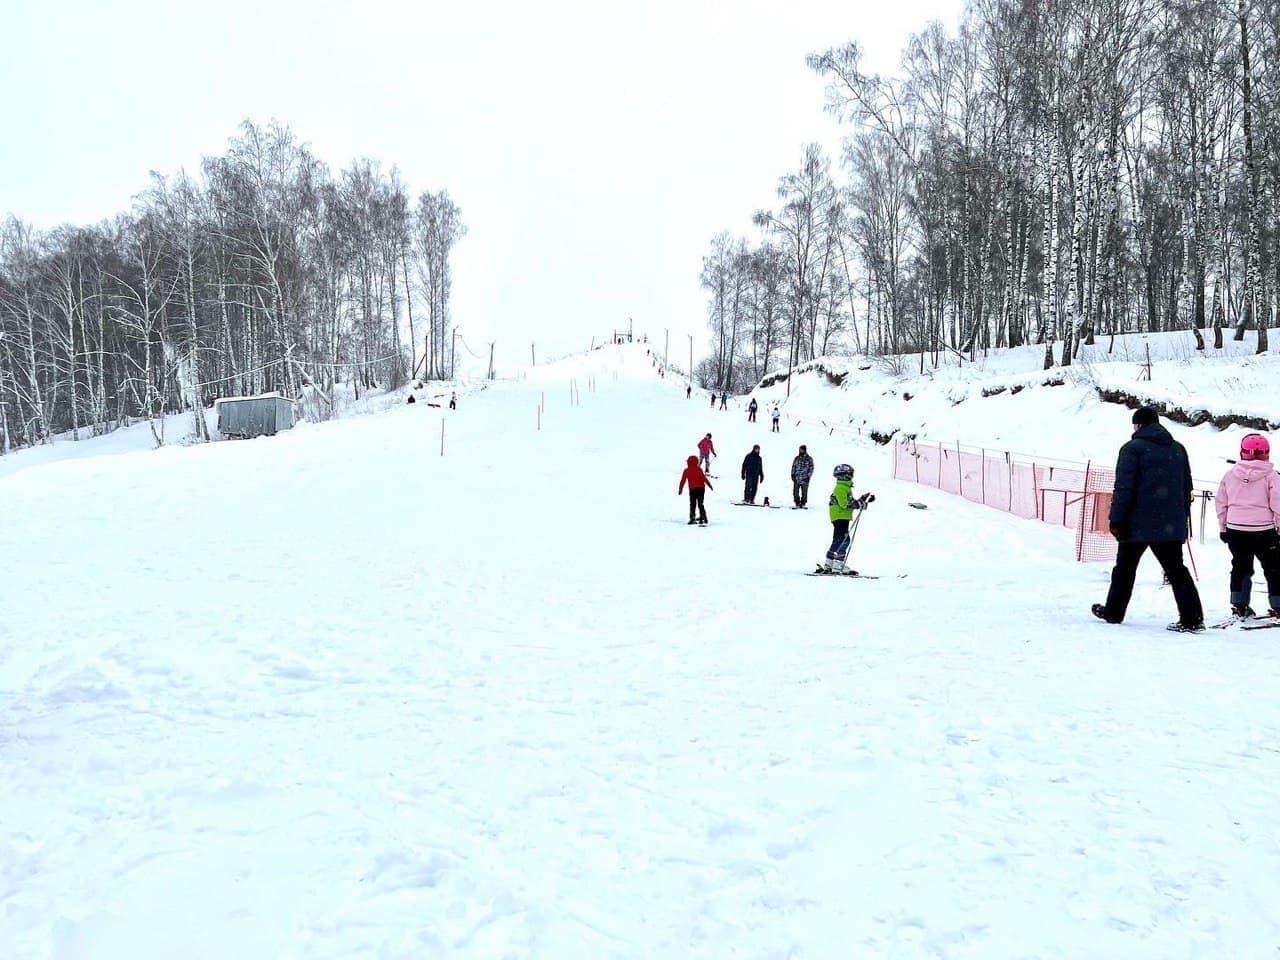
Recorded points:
(1185, 595)
(800, 492)
(749, 492)
(697, 496)
(1245, 547)
(775, 427)
(839, 540)
(751, 416)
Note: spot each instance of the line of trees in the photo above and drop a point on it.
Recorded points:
(1051, 172)
(265, 272)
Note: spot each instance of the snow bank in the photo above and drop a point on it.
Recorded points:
(1007, 402)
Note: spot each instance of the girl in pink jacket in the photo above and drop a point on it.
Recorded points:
(1248, 505)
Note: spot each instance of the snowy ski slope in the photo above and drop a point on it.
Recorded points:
(332, 695)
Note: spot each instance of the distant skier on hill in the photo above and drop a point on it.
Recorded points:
(706, 450)
(752, 474)
(688, 391)
(1150, 510)
(841, 507)
(696, 480)
(453, 401)
(1248, 505)
(724, 400)
(777, 416)
(713, 399)
(751, 410)
(801, 473)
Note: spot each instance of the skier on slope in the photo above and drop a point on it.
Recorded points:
(724, 400)
(751, 410)
(706, 450)
(801, 473)
(752, 474)
(777, 416)
(841, 507)
(1248, 505)
(696, 480)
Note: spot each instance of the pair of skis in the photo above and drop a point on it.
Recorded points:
(1249, 623)
(823, 572)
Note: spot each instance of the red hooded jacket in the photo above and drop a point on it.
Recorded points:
(705, 446)
(694, 476)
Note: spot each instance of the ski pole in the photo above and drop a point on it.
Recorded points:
(853, 530)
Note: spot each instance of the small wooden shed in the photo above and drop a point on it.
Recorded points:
(261, 416)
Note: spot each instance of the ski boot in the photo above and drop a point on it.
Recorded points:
(1179, 627)
(1243, 611)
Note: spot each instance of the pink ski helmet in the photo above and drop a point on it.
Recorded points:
(1255, 447)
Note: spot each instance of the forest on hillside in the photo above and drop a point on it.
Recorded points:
(1049, 173)
(265, 271)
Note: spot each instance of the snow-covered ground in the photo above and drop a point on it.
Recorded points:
(330, 694)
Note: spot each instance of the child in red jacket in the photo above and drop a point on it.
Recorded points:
(696, 479)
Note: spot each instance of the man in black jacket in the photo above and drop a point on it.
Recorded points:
(1151, 508)
(752, 473)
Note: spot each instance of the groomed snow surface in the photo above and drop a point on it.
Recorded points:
(330, 694)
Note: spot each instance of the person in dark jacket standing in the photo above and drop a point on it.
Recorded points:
(752, 473)
(801, 474)
(752, 407)
(1150, 509)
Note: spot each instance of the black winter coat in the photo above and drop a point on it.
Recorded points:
(1152, 499)
(752, 467)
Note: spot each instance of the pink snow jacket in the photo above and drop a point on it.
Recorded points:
(1249, 497)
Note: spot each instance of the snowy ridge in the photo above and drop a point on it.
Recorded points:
(1006, 401)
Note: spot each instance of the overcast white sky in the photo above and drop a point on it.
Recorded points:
(594, 147)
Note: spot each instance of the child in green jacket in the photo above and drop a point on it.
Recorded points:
(841, 507)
